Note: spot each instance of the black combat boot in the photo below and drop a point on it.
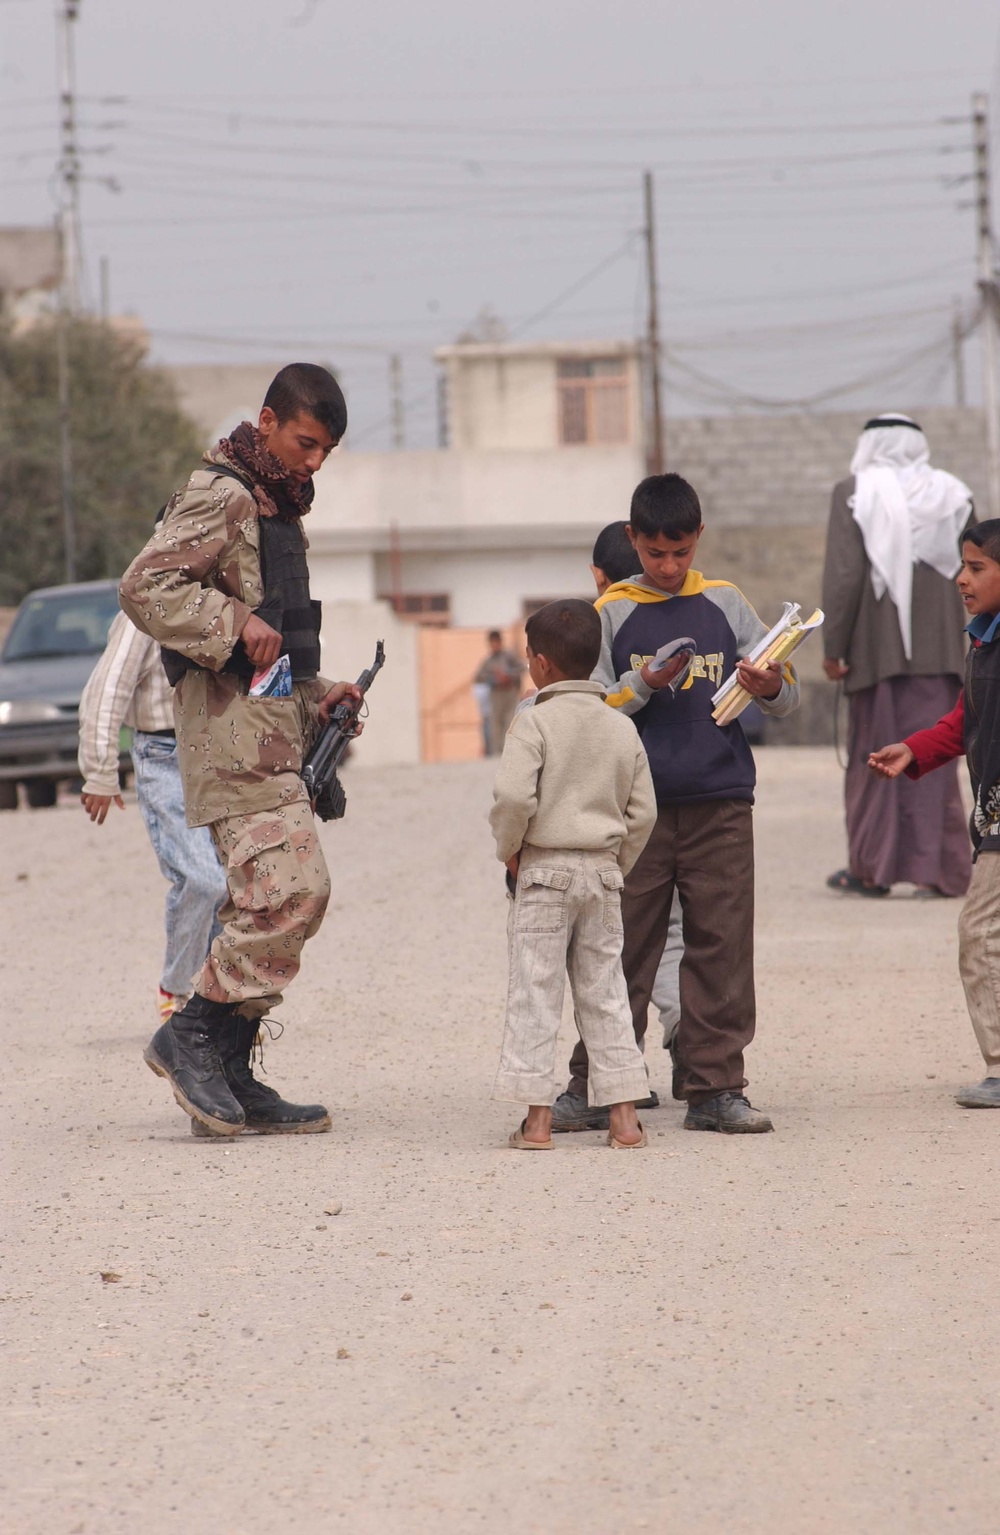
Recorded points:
(266, 1112)
(185, 1050)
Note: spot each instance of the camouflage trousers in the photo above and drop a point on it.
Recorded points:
(278, 889)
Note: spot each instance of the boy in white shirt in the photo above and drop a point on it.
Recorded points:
(128, 686)
(574, 806)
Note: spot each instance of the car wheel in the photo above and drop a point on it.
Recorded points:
(41, 793)
(8, 794)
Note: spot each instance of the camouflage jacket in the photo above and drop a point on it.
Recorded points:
(192, 589)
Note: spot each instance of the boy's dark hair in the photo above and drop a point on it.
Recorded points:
(985, 536)
(613, 553)
(494, 634)
(665, 504)
(306, 389)
(567, 633)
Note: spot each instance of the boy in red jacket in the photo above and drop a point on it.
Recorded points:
(973, 727)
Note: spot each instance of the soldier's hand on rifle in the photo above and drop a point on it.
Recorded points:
(98, 805)
(341, 692)
(261, 643)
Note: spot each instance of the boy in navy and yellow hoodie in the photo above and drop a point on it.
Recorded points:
(704, 780)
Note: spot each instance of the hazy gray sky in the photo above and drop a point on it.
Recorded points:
(306, 177)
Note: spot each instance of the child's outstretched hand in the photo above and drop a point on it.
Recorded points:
(891, 761)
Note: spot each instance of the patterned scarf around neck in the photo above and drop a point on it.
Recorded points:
(274, 490)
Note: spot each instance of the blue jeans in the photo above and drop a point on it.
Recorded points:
(187, 859)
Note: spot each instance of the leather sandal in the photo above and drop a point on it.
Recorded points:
(518, 1142)
(850, 884)
(617, 1145)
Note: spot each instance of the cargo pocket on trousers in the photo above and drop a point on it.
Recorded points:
(614, 883)
(541, 900)
(263, 869)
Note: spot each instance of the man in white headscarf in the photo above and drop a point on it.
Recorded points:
(894, 637)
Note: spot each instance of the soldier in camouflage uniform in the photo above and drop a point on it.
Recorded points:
(222, 586)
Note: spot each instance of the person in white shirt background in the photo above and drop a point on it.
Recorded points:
(128, 686)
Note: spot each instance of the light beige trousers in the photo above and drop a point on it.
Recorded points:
(566, 919)
(979, 956)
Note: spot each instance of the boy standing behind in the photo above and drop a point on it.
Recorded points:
(704, 776)
(573, 808)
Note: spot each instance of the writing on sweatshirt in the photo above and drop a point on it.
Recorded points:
(690, 757)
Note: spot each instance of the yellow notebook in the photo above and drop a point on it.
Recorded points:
(777, 645)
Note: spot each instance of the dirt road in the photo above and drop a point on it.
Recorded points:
(786, 1334)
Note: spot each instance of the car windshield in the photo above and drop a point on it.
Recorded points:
(62, 624)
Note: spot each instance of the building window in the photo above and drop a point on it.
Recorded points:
(432, 609)
(593, 400)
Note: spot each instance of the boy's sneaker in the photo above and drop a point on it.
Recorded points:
(571, 1111)
(732, 1113)
(985, 1095)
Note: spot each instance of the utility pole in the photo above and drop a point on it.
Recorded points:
(67, 12)
(986, 272)
(957, 353)
(655, 456)
(105, 310)
(69, 257)
(442, 408)
(396, 400)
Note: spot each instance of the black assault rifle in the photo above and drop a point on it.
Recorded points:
(319, 771)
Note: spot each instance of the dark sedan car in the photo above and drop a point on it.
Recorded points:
(52, 648)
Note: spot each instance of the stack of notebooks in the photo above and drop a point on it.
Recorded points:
(777, 645)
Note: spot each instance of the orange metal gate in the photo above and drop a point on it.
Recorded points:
(450, 723)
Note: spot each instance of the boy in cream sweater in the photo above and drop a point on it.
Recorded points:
(573, 808)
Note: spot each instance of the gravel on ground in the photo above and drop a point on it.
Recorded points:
(785, 1333)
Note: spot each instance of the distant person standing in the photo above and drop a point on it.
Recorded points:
(501, 672)
(894, 636)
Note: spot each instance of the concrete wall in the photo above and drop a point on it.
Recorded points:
(504, 395)
(502, 402)
(766, 470)
(488, 589)
(350, 630)
(490, 529)
(452, 491)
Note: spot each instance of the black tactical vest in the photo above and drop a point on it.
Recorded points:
(286, 605)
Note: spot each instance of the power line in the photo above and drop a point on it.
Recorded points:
(885, 374)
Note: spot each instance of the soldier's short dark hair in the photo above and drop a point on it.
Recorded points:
(665, 505)
(613, 553)
(306, 389)
(567, 633)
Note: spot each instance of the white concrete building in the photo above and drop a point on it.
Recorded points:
(545, 447)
